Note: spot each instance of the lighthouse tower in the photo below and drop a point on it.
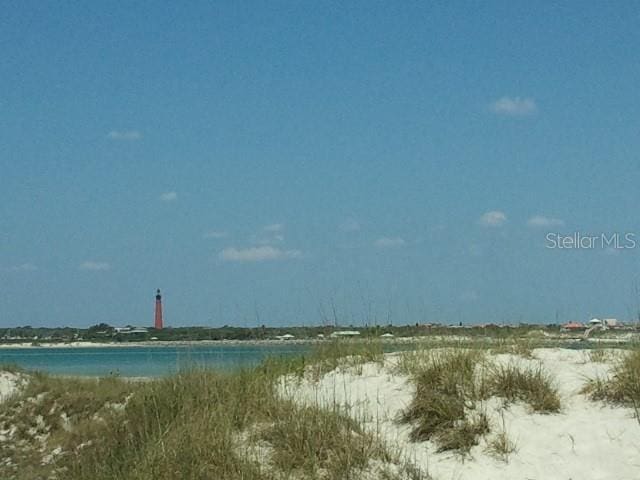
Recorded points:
(158, 322)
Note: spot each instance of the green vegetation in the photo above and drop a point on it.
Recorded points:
(53, 412)
(194, 425)
(623, 386)
(446, 390)
(523, 348)
(103, 332)
(451, 385)
(530, 385)
(601, 355)
(342, 354)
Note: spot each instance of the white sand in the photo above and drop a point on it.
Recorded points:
(586, 441)
(9, 384)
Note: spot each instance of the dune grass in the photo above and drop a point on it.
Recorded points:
(198, 424)
(501, 446)
(451, 386)
(622, 386)
(338, 354)
(446, 390)
(520, 347)
(531, 385)
(203, 424)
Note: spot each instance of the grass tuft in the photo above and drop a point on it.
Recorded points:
(530, 385)
(623, 386)
(501, 446)
(445, 390)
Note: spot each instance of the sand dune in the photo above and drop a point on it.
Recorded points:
(586, 440)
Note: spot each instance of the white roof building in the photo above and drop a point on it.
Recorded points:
(345, 333)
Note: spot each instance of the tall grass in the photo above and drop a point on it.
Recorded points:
(336, 354)
(53, 412)
(622, 386)
(451, 385)
(533, 386)
(445, 391)
(197, 424)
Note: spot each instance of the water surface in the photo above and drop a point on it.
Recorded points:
(137, 361)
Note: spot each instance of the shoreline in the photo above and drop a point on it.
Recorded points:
(621, 339)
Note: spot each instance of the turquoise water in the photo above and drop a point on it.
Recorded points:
(142, 361)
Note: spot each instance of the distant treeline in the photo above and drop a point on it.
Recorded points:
(104, 332)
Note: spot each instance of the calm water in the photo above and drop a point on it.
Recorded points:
(142, 361)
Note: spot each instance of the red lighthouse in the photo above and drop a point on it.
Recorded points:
(158, 322)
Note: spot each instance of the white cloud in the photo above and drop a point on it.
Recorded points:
(25, 267)
(273, 228)
(494, 218)
(169, 196)
(544, 222)
(514, 106)
(128, 135)
(350, 225)
(389, 242)
(257, 254)
(94, 266)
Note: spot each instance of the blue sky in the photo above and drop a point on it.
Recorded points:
(273, 162)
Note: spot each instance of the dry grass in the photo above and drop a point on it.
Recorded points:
(531, 385)
(445, 391)
(451, 385)
(49, 413)
(340, 354)
(203, 424)
(194, 425)
(623, 386)
(501, 446)
(522, 348)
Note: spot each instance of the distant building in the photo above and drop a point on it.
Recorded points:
(138, 330)
(130, 330)
(612, 323)
(286, 336)
(573, 326)
(158, 316)
(345, 333)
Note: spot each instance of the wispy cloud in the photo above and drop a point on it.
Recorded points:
(94, 266)
(257, 254)
(269, 235)
(540, 221)
(215, 234)
(267, 239)
(169, 196)
(494, 218)
(350, 225)
(25, 267)
(514, 106)
(390, 242)
(128, 135)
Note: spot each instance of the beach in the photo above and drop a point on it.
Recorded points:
(585, 440)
